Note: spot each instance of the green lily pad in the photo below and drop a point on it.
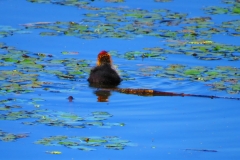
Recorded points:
(236, 87)
(49, 34)
(236, 10)
(4, 108)
(68, 143)
(72, 117)
(10, 60)
(95, 123)
(212, 73)
(192, 72)
(116, 146)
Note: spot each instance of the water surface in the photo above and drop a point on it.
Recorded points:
(155, 127)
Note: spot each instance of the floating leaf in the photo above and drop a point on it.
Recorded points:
(192, 72)
(95, 123)
(68, 143)
(10, 60)
(116, 146)
(49, 34)
(236, 87)
(236, 10)
(54, 152)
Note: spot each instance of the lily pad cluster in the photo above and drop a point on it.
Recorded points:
(85, 143)
(6, 31)
(119, 22)
(26, 67)
(56, 118)
(10, 137)
(138, 23)
(10, 111)
(232, 27)
(83, 2)
(220, 78)
(125, 23)
(197, 49)
(233, 8)
(77, 3)
(114, 22)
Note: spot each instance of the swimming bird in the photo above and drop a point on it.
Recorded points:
(104, 73)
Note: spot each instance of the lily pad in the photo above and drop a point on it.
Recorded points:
(236, 87)
(192, 72)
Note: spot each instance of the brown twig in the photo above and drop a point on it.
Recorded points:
(150, 92)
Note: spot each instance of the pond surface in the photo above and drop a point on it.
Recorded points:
(47, 48)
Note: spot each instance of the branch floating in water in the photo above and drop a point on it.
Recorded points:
(150, 92)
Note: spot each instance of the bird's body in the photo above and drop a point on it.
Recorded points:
(104, 74)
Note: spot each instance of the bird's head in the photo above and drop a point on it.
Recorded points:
(104, 58)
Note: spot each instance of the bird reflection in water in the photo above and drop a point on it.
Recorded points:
(102, 95)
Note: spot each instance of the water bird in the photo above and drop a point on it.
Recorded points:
(104, 74)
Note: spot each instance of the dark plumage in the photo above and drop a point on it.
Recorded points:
(104, 74)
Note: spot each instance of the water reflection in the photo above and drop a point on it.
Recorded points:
(102, 95)
(103, 91)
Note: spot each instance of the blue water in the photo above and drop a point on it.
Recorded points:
(160, 127)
